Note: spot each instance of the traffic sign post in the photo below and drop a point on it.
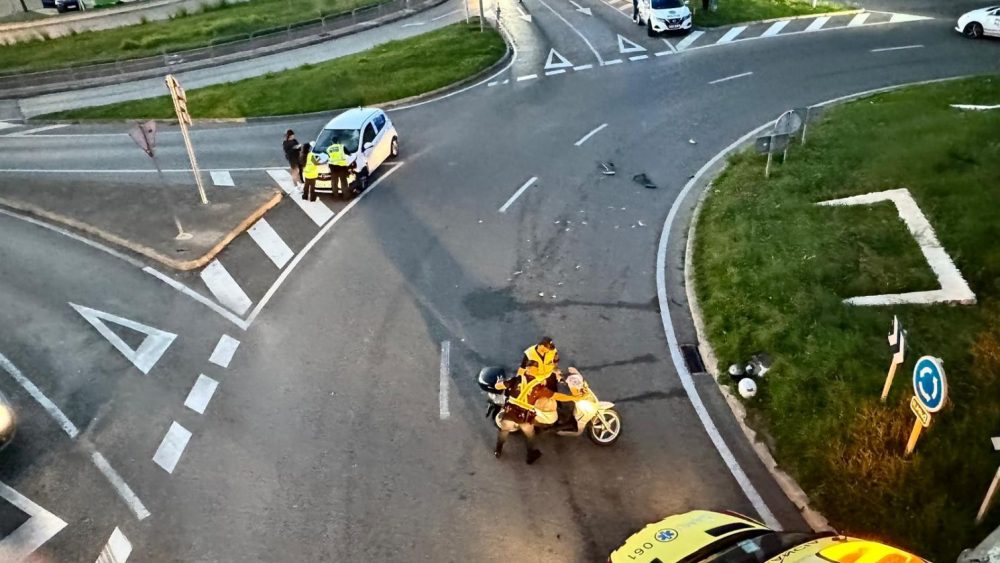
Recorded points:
(993, 486)
(930, 392)
(184, 119)
(770, 144)
(897, 343)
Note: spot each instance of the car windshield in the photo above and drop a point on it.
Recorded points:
(666, 4)
(759, 548)
(346, 137)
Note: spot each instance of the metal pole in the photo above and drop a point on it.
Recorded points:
(767, 167)
(467, 11)
(805, 125)
(194, 163)
(482, 15)
(888, 381)
(989, 497)
(914, 434)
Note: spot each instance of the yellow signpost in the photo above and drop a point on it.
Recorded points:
(184, 119)
(930, 392)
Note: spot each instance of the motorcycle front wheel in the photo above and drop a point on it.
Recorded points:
(605, 428)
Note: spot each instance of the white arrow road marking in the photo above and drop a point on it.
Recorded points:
(563, 62)
(522, 14)
(224, 350)
(147, 354)
(116, 550)
(172, 446)
(580, 8)
(580, 34)
(201, 393)
(36, 394)
(222, 178)
(224, 287)
(121, 487)
(628, 46)
(271, 243)
(40, 527)
(689, 40)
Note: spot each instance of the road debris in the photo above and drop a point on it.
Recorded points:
(644, 181)
(606, 168)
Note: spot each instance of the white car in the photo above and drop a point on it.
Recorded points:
(368, 138)
(977, 23)
(665, 15)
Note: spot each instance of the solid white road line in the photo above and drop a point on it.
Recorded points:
(201, 393)
(116, 550)
(612, 62)
(149, 351)
(271, 243)
(818, 23)
(224, 350)
(121, 487)
(445, 379)
(172, 446)
(733, 77)
(517, 194)
(583, 67)
(40, 397)
(5, 125)
(884, 49)
(222, 178)
(775, 28)
(687, 41)
(675, 352)
(442, 16)
(222, 311)
(858, 19)
(37, 130)
(551, 72)
(312, 242)
(316, 210)
(575, 30)
(589, 135)
(40, 527)
(638, 58)
(731, 35)
(224, 287)
(526, 77)
(413, 24)
(664, 53)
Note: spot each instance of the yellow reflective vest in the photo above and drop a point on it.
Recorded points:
(337, 155)
(311, 169)
(524, 392)
(546, 364)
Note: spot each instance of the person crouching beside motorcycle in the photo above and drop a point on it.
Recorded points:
(584, 401)
(519, 411)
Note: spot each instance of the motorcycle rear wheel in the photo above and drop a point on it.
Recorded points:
(605, 428)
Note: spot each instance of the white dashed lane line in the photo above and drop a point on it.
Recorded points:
(172, 446)
(884, 49)
(733, 77)
(224, 350)
(201, 393)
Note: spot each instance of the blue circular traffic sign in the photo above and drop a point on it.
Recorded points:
(929, 383)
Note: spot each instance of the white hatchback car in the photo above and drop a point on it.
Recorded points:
(977, 23)
(665, 15)
(369, 139)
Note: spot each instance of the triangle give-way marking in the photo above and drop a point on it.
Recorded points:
(628, 46)
(550, 63)
(149, 351)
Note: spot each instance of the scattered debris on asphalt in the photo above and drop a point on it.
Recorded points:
(607, 168)
(644, 181)
(692, 141)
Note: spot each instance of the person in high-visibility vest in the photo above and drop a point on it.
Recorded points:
(339, 169)
(519, 411)
(540, 360)
(310, 172)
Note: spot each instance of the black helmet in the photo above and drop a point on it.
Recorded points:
(489, 376)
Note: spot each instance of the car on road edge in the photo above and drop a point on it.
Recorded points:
(369, 127)
(663, 16)
(981, 22)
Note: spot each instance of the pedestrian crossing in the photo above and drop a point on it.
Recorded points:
(633, 51)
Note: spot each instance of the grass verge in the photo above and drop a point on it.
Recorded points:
(771, 271)
(217, 21)
(737, 11)
(392, 71)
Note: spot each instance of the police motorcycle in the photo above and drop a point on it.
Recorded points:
(603, 423)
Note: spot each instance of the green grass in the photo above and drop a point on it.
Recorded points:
(217, 21)
(737, 11)
(391, 71)
(772, 268)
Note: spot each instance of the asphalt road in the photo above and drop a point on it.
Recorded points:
(325, 440)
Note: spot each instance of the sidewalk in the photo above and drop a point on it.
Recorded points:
(435, 18)
(137, 218)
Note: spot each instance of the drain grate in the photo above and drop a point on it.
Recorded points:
(692, 358)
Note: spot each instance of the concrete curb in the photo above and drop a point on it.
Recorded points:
(788, 485)
(140, 249)
(786, 18)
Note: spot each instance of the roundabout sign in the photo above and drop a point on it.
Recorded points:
(930, 392)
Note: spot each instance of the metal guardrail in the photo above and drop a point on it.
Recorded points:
(219, 47)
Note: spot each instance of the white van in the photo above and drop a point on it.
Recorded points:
(369, 139)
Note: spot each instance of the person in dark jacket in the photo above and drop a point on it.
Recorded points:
(291, 148)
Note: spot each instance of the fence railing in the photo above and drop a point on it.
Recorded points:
(222, 46)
